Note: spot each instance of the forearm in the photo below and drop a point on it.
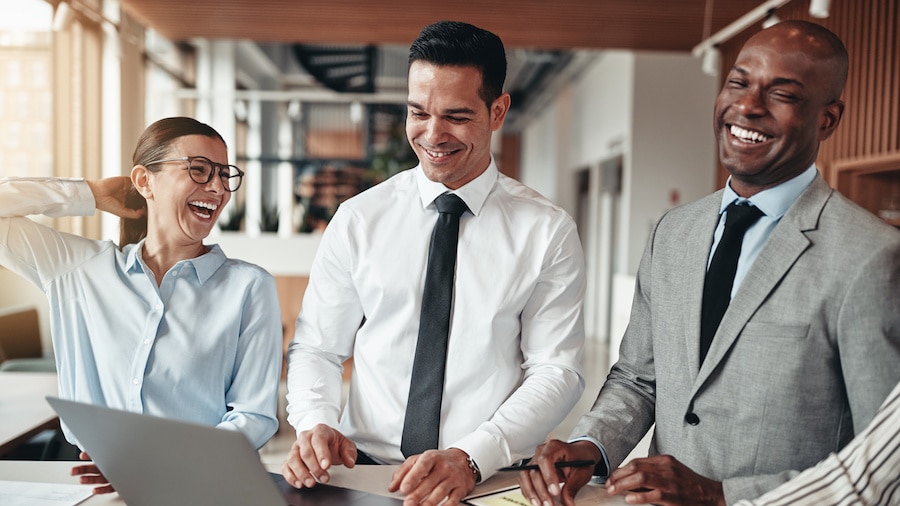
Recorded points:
(33, 250)
(314, 383)
(252, 399)
(619, 418)
(52, 197)
(524, 420)
(258, 427)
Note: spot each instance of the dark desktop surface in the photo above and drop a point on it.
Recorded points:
(325, 495)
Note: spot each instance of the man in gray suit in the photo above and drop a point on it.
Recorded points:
(809, 345)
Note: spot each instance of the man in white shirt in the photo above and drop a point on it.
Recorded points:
(514, 353)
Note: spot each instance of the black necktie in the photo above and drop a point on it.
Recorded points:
(421, 426)
(720, 276)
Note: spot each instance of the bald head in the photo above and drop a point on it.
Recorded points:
(817, 43)
(779, 101)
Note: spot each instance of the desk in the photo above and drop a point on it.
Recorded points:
(58, 472)
(23, 410)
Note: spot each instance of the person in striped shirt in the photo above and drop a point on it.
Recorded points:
(865, 472)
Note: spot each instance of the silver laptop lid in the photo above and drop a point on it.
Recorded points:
(156, 461)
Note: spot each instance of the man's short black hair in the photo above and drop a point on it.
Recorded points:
(461, 44)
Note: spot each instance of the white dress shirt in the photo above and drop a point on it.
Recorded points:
(514, 359)
(204, 346)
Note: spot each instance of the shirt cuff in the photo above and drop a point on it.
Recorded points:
(601, 470)
(81, 198)
(484, 450)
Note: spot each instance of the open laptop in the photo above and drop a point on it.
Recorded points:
(156, 461)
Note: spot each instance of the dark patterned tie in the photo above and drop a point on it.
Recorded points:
(720, 276)
(421, 426)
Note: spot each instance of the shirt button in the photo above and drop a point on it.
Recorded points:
(692, 419)
(146, 341)
(175, 273)
(157, 307)
(135, 381)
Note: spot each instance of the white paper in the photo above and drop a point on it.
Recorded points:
(26, 493)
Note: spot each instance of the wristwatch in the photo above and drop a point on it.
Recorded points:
(474, 468)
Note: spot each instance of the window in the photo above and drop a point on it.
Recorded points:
(26, 115)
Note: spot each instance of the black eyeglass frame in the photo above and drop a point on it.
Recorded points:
(216, 167)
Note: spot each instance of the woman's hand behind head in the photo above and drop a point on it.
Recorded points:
(110, 195)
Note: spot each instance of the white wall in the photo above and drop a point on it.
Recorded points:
(672, 147)
(653, 109)
(539, 146)
(584, 124)
(281, 256)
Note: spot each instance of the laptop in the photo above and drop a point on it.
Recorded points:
(154, 461)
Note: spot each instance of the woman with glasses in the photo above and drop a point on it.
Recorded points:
(162, 324)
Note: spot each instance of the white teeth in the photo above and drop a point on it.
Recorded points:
(435, 154)
(748, 135)
(207, 205)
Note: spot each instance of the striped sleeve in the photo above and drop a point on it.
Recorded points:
(866, 471)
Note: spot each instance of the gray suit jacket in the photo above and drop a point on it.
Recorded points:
(805, 354)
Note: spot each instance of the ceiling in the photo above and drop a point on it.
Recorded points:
(548, 42)
(662, 25)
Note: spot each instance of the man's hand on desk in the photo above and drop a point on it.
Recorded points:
(544, 486)
(428, 478)
(91, 475)
(313, 453)
(663, 480)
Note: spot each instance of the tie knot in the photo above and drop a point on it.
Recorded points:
(450, 203)
(741, 216)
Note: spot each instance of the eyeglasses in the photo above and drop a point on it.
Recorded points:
(202, 170)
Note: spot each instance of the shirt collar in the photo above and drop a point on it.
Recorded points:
(473, 193)
(204, 266)
(133, 255)
(207, 265)
(773, 201)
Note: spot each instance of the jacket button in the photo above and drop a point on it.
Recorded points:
(692, 419)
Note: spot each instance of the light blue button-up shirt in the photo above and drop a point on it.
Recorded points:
(774, 202)
(204, 346)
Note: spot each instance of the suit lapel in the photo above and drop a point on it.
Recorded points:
(697, 246)
(782, 249)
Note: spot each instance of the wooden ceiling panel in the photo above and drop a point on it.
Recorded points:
(661, 25)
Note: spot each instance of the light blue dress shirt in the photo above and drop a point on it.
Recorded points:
(774, 202)
(204, 346)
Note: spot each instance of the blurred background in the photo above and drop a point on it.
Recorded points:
(611, 113)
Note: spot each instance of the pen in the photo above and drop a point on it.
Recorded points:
(559, 465)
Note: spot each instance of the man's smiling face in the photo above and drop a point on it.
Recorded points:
(448, 124)
(775, 107)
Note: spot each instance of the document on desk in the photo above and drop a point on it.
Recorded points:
(501, 489)
(375, 480)
(594, 495)
(26, 493)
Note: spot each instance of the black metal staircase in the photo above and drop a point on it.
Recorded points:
(345, 69)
